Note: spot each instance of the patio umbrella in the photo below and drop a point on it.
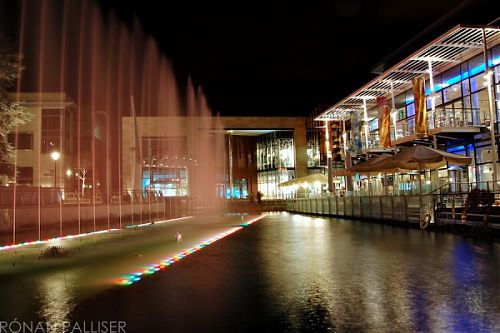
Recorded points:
(422, 157)
(344, 172)
(373, 164)
(380, 163)
(315, 177)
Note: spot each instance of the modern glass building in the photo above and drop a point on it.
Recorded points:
(461, 69)
(250, 154)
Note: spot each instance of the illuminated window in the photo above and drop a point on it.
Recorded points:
(169, 181)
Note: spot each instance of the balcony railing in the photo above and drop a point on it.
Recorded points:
(404, 128)
(452, 117)
(373, 140)
(443, 118)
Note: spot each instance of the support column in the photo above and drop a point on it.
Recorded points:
(393, 112)
(365, 114)
(344, 138)
(328, 157)
(230, 157)
(489, 75)
(433, 100)
(300, 142)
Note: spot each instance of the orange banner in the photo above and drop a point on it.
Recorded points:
(420, 108)
(384, 127)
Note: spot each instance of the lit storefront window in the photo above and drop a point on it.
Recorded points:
(275, 162)
(240, 189)
(169, 181)
(164, 165)
(313, 150)
(275, 150)
(268, 183)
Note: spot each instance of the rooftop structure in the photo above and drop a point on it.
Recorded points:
(453, 47)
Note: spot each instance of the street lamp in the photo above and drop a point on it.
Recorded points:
(55, 156)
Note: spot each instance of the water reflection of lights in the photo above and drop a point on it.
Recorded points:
(148, 270)
(299, 271)
(56, 298)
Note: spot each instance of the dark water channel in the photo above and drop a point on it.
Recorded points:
(291, 273)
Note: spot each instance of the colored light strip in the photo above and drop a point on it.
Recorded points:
(151, 269)
(92, 233)
(246, 224)
(133, 226)
(15, 246)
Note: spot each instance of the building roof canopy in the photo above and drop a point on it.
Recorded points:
(453, 47)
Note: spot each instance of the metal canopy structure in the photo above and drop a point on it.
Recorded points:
(455, 46)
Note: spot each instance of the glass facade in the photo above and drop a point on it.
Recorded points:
(275, 150)
(275, 162)
(165, 165)
(267, 182)
(240, 189)
(56, 125)
(169, 181)
(313, 148)
(460, 100)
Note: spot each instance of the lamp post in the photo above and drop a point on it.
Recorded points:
(55, 155)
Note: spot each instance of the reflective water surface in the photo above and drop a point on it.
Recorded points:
(285, 273)
(291, 273)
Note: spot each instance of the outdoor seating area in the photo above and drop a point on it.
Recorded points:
(404, 181)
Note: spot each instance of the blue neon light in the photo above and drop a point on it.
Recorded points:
(454, 149)
(458, 78)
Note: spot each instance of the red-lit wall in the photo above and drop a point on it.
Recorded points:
(244, 149)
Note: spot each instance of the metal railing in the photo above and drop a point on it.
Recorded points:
(404, 128)
(46, 196)
(373, 140)
(454, 117)
(442, 117)
(443, 208)
(403, 208)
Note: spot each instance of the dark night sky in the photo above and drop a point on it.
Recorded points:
(290, 57)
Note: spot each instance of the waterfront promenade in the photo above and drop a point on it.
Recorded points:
(97, 262)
